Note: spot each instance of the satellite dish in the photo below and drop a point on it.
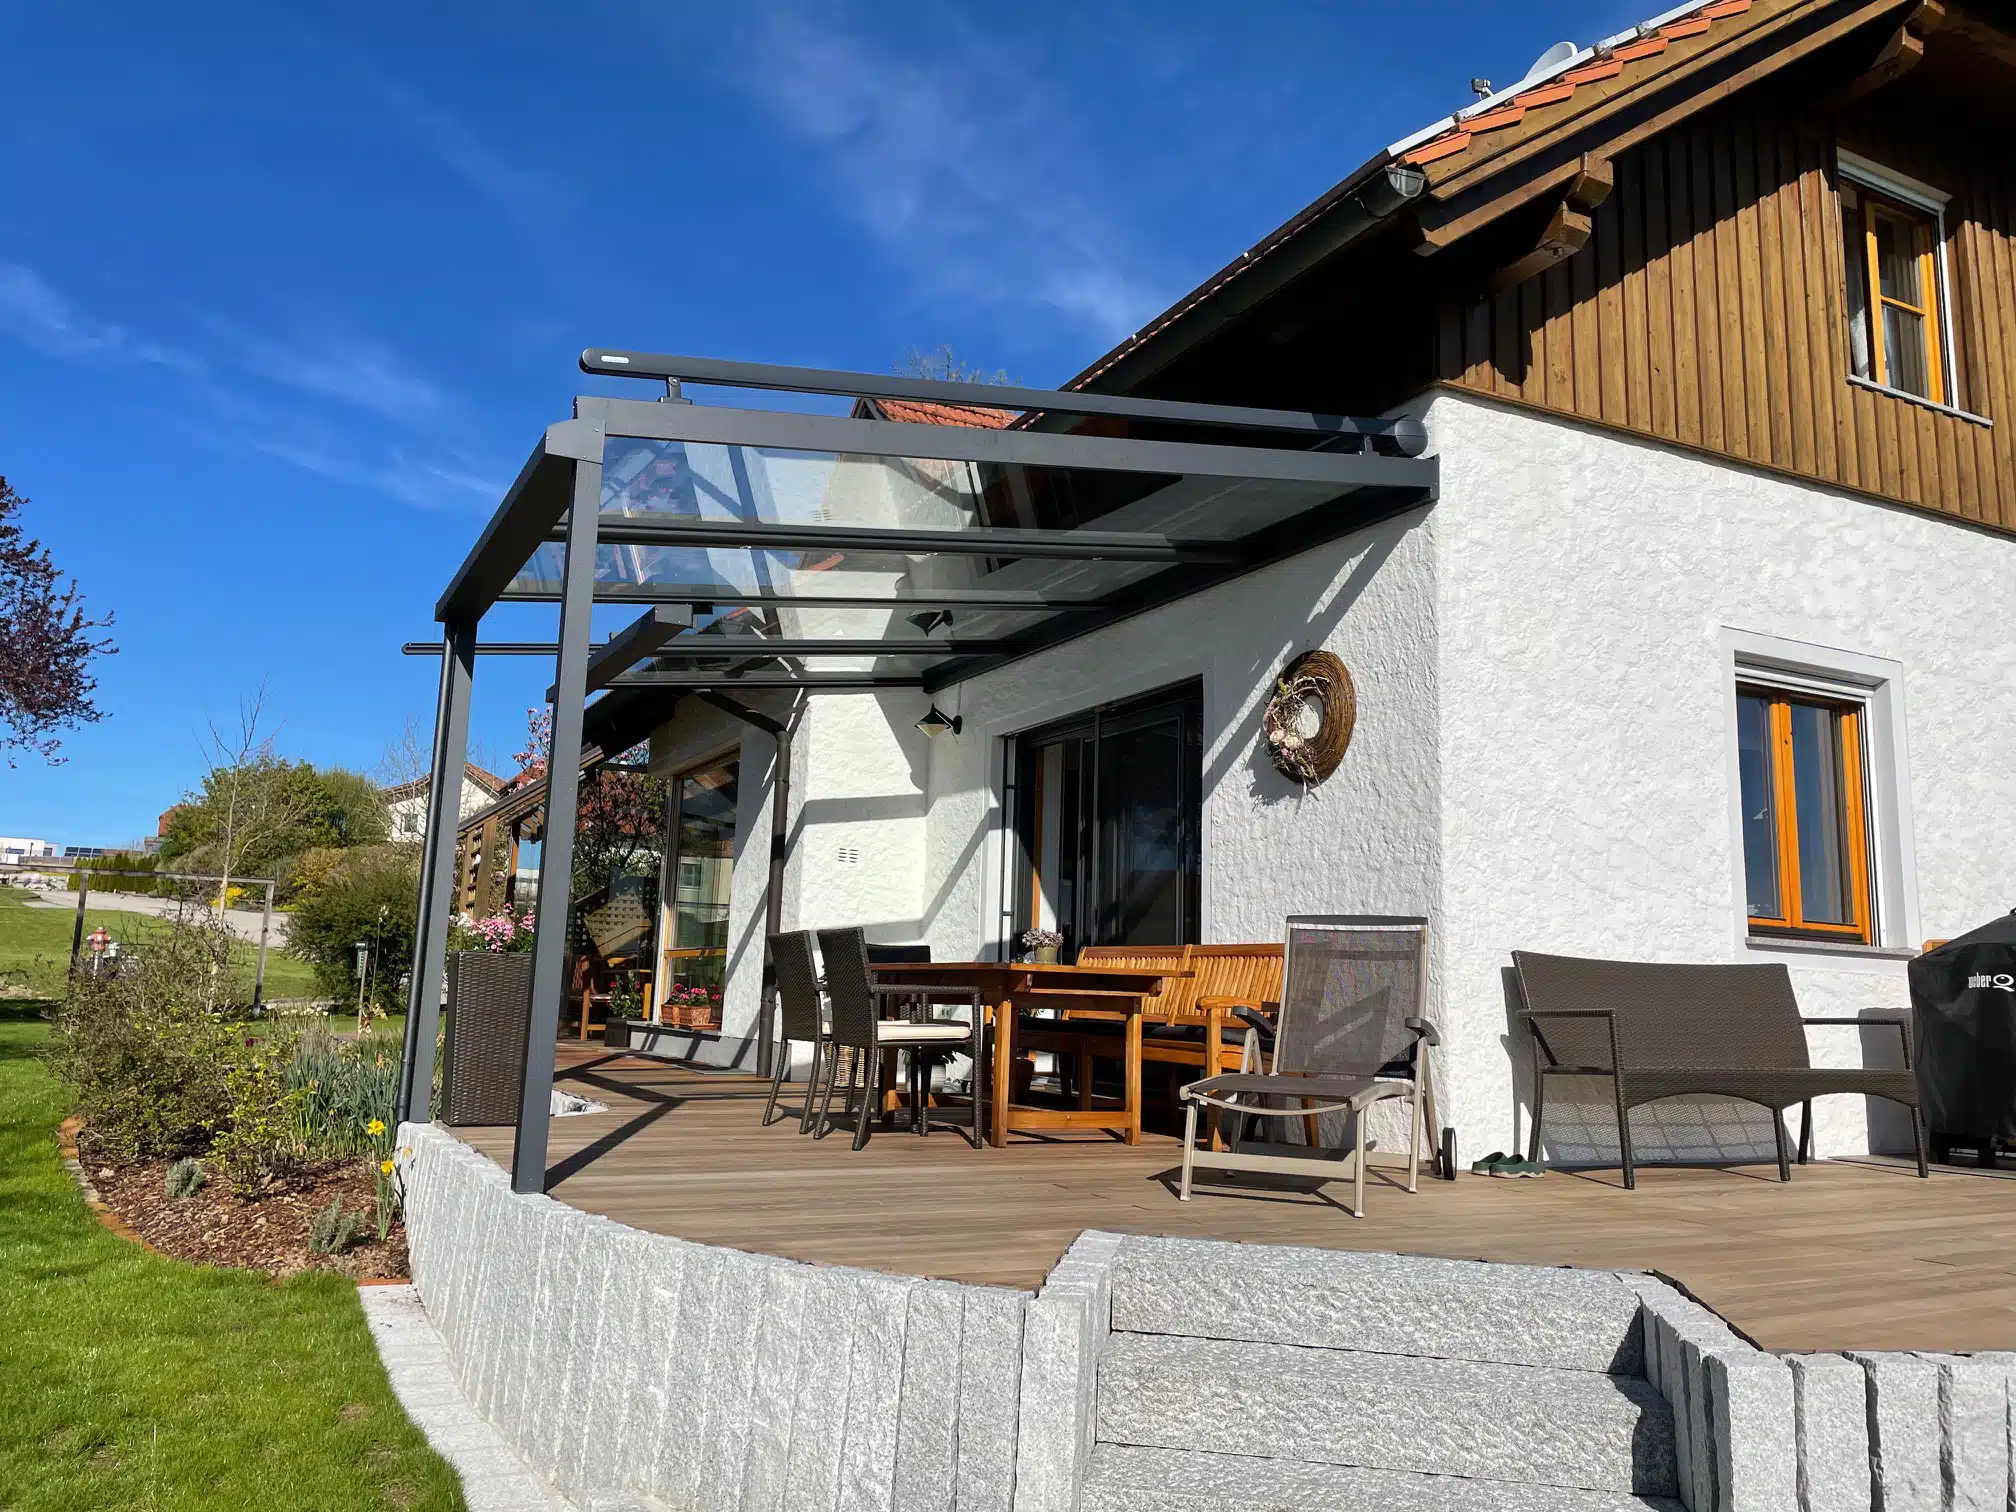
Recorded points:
(1554, 57)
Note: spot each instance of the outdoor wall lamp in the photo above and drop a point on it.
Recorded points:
(934, 723)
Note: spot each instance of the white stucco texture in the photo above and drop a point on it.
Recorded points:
(1585, 581)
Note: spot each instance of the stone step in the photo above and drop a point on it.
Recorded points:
(1544, 1427)
(1390, 1304)
(1171, 1480)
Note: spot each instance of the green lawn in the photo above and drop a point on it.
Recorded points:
(132, 1381)
(35, 947)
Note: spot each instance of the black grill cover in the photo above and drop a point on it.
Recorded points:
(1963, 1010)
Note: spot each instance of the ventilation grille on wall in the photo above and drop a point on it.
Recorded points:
(850, 855)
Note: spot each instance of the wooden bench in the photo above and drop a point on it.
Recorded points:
(1185, 1025)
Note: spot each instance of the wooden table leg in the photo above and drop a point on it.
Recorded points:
(1004, 1064)
(1134, 1078)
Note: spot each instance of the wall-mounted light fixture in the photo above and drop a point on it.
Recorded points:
(935, 723)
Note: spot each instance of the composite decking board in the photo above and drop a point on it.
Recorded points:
(1846, 1256)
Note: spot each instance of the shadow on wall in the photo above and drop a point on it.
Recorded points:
(1264, 782)
(1581, 1123)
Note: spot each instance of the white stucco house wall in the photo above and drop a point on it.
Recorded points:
(1545, 754)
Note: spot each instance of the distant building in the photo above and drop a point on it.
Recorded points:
(16, 849)
(408, 801)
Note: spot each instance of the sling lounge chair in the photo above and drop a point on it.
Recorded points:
(1349, 1035)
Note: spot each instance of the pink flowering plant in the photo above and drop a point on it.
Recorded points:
(498, 934)
(690, 995)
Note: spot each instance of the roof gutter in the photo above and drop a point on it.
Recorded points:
(1364, 201)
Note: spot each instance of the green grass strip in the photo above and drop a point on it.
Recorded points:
(35, 945)
(128, 1380)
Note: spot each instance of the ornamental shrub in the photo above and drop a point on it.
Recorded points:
(370, 894)
(145, 1044)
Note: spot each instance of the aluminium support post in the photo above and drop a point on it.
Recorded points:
(437, 874)
(556, 856)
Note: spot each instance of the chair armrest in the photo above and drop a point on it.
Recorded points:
(1256, 1022)
(1902, 1026)
(1228, 1004)
(1424, 1030)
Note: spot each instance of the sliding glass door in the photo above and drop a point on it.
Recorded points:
(1108, 814)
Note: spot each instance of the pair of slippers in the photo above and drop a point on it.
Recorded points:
(1498, 1163)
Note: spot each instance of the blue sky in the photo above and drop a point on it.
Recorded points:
(286, 293)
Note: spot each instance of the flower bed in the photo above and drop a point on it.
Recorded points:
(269, 1232)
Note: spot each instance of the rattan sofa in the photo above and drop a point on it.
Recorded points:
(1659, 1030)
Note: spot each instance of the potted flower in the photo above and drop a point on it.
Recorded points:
(689, 1005)
(1042, 945)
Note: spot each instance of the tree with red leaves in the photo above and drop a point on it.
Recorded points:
(46, 643)
(620, 825)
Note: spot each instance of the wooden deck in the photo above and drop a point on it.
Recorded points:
(1847, 1256)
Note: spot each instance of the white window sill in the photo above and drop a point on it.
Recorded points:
(1847, 950)
(1918, 399)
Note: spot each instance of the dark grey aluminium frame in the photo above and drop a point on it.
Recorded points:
(1375, 467)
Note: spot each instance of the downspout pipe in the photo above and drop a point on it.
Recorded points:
(1322, 230)
(773, 895)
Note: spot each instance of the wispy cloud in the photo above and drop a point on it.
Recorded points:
(240, 398)
(961, 165)
(34, 312)
(451, 482)
(351, 370)
(529, 197)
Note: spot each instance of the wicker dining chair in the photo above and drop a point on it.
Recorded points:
(859, 1025)
(803, 1015)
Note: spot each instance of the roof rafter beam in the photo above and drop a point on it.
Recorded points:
(1005, 600)
(616, 363)
(990, 541)
(747, 647)
(642, 638)
(815, 682)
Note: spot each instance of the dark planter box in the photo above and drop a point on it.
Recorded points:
(483, 1063)
(616, 1034)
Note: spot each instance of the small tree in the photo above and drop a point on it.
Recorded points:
(46, 643)
(943, 365)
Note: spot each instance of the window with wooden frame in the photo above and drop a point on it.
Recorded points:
(1899, 319)
(1805, 814)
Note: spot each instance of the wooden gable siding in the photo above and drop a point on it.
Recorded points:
(1709, 308)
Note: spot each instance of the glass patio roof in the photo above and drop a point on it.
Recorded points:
(803, 550)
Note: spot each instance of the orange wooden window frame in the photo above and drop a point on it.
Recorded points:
(1785, 810)
(1924, 238)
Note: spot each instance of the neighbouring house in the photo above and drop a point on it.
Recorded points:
(406, 802)
(1692, 637)
(14, 849)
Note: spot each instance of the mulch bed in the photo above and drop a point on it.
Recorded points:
(268, 1233)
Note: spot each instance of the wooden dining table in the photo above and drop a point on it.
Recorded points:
(1006, 987)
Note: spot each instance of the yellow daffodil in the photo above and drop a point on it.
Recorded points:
(375, 1127)
(385, 1167)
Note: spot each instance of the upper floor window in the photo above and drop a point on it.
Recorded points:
(1899, 321)
(1805, 814)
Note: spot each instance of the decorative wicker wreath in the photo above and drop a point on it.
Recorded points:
(1309, 719)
